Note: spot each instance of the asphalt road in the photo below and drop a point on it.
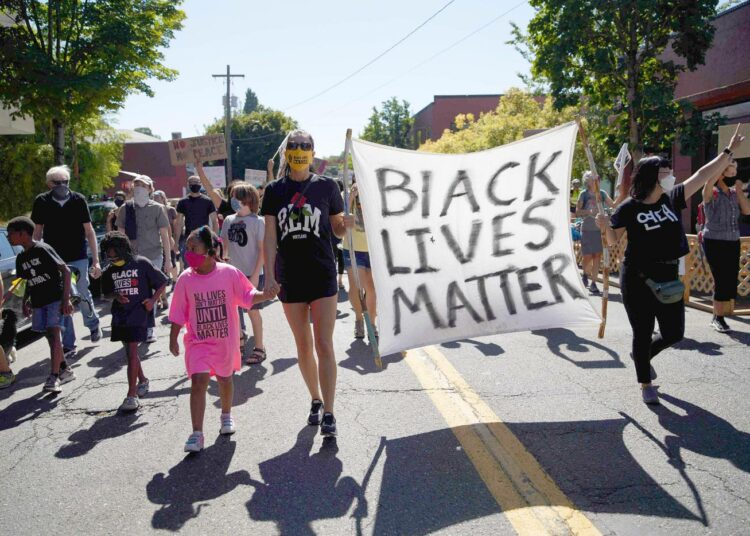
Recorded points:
(501, 435)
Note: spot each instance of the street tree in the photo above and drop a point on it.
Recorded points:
(615, 57)
(65, 61)
(391, 125)
(251, 102)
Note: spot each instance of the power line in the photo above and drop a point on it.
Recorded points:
(376, 58)
(439, 53)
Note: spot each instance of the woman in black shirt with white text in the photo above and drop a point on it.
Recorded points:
(656, 241)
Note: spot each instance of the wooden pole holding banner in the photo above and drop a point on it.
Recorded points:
(360, 291)
(600, 210)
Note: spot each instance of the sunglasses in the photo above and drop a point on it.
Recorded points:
(304, 145)
(60, 183)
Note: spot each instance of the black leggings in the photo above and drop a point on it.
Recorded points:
(643, 309)
(723, 257)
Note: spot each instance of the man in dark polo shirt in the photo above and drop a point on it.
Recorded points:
(194, 211)
(62, 219)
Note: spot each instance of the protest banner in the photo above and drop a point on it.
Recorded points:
(256, 177)
(471, 244)
(202, 148)
(217, 175)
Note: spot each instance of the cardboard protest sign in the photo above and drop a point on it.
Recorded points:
(256, 177)
(202, 148)
(217, 175)
(471, 244)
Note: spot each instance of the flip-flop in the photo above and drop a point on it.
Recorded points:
(258, 355)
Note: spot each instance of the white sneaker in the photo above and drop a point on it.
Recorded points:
(150, 337)
(130, 404)
(143, 388)
(194, 443)
(227, 425)
(66, 376)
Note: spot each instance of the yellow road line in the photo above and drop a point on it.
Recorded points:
(527, 495)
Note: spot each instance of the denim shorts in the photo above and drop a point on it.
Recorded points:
(363, 259)
(44, 318)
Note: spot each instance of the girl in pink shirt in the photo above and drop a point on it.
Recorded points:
(205, 300)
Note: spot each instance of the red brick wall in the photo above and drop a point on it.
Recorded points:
(152, 159)
(437, 116)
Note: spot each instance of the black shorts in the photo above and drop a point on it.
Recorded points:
(307, 291)
(129, 334)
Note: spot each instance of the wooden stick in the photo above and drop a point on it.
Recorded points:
(600, 210)
(360, 291)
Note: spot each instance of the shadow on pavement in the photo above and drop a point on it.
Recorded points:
(245, 385)
(559, 337)
(27, 409)
(193, 483)
(704, 347)
(83, 441)
(360, 358)
(299, 487)
(489, 349)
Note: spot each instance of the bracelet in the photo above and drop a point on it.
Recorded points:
(727, 151)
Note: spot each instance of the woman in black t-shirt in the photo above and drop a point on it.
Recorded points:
(656, 241)
(302, 212)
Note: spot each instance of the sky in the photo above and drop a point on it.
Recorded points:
(291, 50)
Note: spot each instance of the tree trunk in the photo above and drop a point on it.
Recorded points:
(58, 143)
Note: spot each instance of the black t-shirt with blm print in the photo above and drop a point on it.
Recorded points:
(137, 280)
(303, 228)
(655, 232)
(40, 267)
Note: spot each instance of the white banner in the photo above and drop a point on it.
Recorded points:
(256, 177)
(471, 244)
(217, 175)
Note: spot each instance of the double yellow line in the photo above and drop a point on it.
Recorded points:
(527, 495)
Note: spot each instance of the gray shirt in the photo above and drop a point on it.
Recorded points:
(148, 221)
(243, 236)
(722, 216)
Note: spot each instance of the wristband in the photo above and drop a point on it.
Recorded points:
(727, 151)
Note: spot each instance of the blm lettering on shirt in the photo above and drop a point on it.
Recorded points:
(652, 219)
(299, 220)
(35, 279)
(126, 282)
(212, 321)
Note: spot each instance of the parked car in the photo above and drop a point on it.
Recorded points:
(8, 272)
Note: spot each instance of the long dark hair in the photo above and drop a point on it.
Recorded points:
(208, 238)
(118, 242)
(646, 176)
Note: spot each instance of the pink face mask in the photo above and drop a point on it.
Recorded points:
(194, 260)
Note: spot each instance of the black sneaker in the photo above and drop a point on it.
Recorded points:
(585, 280)
(720, 325)
(593, 289)
(328, 426)
(316, 413)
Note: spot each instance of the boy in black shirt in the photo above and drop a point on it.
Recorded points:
(47, 297)
(135, 286)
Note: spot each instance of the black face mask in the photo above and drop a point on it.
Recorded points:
(730, 181)
(195, 188)
(119, 202)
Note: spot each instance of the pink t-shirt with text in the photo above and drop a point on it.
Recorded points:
(207, 306)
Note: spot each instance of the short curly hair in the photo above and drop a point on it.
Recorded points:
(118, 242)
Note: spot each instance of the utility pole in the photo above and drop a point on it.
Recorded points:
(228, 118)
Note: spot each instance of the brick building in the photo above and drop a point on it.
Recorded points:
(433, 119)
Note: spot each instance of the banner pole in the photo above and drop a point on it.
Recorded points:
(360, 291)
(600, 210)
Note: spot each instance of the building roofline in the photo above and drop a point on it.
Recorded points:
(732, 9)
(498, 95)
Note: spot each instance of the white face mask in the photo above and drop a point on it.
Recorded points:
(667, 183)
(140, 196)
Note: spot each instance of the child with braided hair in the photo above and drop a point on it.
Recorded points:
(135, 286)
(205, 301)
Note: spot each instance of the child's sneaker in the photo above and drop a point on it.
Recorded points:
(66, 375)
(130, 404)
(7, 379)
(227, 425)
(143, 388)
(52, 385)
(194, 443)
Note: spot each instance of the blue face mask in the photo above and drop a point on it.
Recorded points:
(235, 204)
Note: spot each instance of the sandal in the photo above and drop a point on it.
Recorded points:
(257, 356)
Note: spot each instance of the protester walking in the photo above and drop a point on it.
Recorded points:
(722, 205)
(134, 285)
(205, 300)
(111, 222)
(649, 282)
(243, 234)
(302, 211)
(195, 210)
(63, 220)
(591, 235)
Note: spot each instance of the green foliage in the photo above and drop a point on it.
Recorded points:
(255, 137)
(69, 60)
(23, 165)
(251, 102)
(391, 125)
(146, 131)
(613, 53)
(98, 160)
(517, 113)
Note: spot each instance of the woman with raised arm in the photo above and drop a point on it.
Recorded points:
(656, 240)
(302, 210)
